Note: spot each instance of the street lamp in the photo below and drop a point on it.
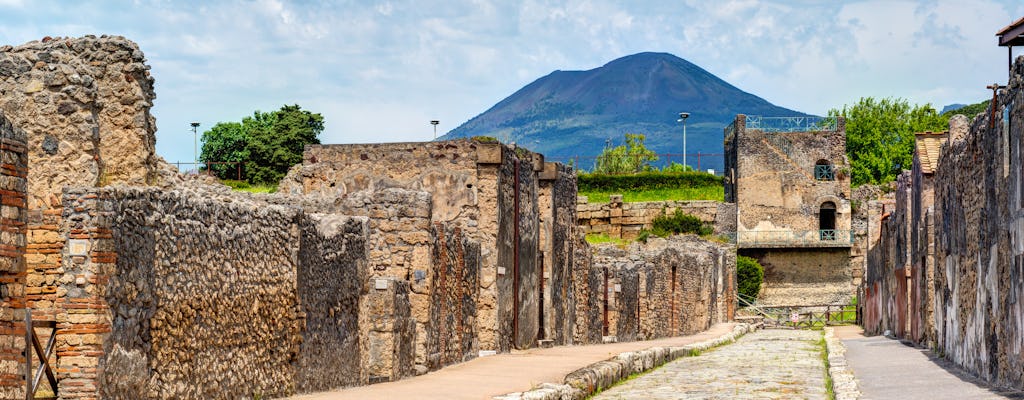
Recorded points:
(682, 118)
(195, 147)
(434, 123)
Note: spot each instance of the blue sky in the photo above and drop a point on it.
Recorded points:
(379, 71)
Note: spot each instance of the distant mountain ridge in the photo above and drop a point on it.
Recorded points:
(573, 113)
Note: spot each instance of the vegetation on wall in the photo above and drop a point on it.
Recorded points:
(749, 275)
(269, 143)
(678, 223)
(880, 136)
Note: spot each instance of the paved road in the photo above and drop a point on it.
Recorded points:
(887, 369)
(767, 364)
(486, 377)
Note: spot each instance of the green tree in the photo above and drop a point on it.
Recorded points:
(629, 158)
(749, 275)
(268, 142)
(880, 136)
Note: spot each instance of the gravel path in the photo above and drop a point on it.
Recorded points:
(767, 364)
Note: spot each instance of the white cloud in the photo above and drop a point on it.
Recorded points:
(380, 70)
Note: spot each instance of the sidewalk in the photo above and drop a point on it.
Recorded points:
(888, 369)
(486, 377)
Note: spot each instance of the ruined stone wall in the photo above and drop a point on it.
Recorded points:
(561, 181)
(451, 332)
(773, 182)
(626, 220)
(588, 299)
(206, 297)
(813, 276)
(667, 287)
(473, 186)
(84, 105)
(979, 312)
(13, 170)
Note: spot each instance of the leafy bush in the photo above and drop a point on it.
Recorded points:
(677, 223)
(676, 167)
(749, 275)
(645, 181)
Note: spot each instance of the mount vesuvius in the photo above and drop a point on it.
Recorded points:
(573, 113)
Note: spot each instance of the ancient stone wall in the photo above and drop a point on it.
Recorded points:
(84, 105)
(979, 312)
(206, 297)
(625, 220)
(559, 182)
(588, 294)
(494, 194)
(777, 193)
(804, 276)
(667, 287)
(451, 332)
(13, 170)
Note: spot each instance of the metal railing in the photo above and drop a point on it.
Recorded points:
(792, 124)
(793, 238)
(824, 173)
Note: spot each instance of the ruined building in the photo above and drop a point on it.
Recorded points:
(958, 232)
(790, 181)
(373, 262)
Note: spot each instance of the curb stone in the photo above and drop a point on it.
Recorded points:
(603, 374)
(844, 386)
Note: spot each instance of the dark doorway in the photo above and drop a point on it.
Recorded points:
(827, 221)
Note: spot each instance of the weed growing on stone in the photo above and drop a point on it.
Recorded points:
(823, 351)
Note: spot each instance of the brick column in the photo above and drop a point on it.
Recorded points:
(13, 169)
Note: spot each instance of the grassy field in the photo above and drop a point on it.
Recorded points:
(243, 186)
(690, 193)
(598, 238)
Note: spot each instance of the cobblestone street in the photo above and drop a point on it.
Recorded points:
(767, 364)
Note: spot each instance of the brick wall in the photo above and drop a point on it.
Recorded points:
(13, 170)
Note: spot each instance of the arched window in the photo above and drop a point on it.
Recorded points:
(823, 171)
(827, 221)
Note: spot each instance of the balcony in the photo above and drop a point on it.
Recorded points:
(794, 238)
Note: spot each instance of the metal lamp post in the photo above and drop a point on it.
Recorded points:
(682, 118)
(195, 147)
(434, 123)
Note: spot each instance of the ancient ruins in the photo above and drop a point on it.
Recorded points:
(790, 182)
(946, 272)
(373, 263)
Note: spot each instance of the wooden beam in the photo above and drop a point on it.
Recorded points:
(1012, 36)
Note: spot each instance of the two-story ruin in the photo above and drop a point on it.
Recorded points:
(790, 181)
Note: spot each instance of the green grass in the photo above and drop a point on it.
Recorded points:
(689, 193)
(243, 186)
(599, 238)
(823, 351)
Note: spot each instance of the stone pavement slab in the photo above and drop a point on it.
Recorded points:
(767, 364)
(888, 369)
(486, 377)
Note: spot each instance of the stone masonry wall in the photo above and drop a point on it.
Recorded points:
(13, 170)
(666, 287)
(626, 220)
(84, 105)
(979, 245)
(206, 297)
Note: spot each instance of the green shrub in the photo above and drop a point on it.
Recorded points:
(749, 275)
(679, 222)
(645, 181)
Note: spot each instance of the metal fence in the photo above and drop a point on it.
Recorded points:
(705, 162)
(793, 238)
(193, 168)
(792, 124)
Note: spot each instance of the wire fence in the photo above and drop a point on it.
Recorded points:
(706, 162)
(206, 168)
